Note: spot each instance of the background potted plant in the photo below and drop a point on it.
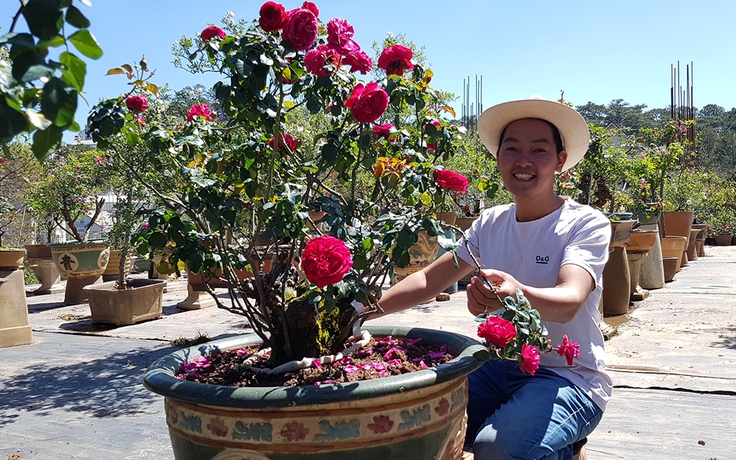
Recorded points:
(72, 192)
(121, 301)
(723, 227)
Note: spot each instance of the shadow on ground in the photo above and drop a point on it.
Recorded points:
(41, 307)
(109, 386)
(728, 339)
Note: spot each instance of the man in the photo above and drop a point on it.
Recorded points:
(554, 250)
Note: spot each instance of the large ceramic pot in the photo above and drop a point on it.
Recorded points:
(637, 248)
(43, 266)
(700, 239)
(140, 302)
(674, 246)
(112, 272)
(464, 223)
(418, 416)
(616, 276)
(197, 295)
(12, 259)
(81, 258)
(450, 217)
(723, 240)
(83, 263)
(649, 217)
(14, 327)
(678, 223)
(422, 254)
(38, 251)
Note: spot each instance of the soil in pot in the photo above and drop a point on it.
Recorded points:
(382, 357)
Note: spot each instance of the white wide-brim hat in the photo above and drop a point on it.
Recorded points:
(572, 126)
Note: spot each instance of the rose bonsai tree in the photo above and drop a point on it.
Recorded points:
(307, 177)
(300, 131)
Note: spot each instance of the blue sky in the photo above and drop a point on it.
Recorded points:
(595, 51)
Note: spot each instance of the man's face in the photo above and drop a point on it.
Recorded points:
(528, 158)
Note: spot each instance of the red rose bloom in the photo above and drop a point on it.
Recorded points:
(569, 349)
(450, 180)
(211, 32)
(199, 110)
(290, 142)
(273, 16)
(340, 35)
(301, 30)
(136, 103)
(311, 7)
(367, 103)
(383, 131)
(497, 330)
(358, 61)
(529, 359)
(395, 60)
(316, 59)
(326, 260)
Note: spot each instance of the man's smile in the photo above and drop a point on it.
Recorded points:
(523, 176)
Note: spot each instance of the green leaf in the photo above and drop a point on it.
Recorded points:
(31, 66)
(12, 122)
(59, 102)
(86, 43)
(76, 66)
(406, 238)
(132, 138)
(43, 17)
(44, 141)
(157, 240)
(76, 18)
(400, 257)
(57, 41)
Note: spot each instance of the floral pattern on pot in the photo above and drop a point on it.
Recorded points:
(298, 428)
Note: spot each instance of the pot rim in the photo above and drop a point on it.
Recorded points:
(159, 377)
(76, 243)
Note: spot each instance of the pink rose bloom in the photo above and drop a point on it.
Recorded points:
(383, 131)
(301, 30)
(569, 349)
(395, 60)
(497, 330)
(367, 103)
(450, 180)
(358, 61)
(273, 16)
(199, 110)
(326, 260)
(529, 359)
(211, 32)
(136, 103)
(316, 59)
(340, 35)
(285, 139)
(436, 124)
(311, 7)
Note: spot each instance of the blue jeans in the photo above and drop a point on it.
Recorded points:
(512, 415)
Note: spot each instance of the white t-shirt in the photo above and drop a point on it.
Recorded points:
(533, 252)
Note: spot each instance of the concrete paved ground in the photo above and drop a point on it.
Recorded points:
(76, 393)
